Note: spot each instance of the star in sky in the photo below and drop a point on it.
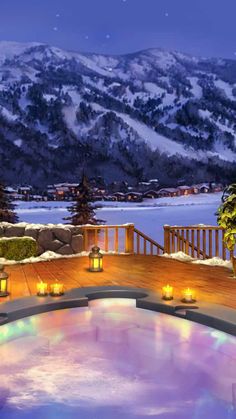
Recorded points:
(108, 36)
(55, 28)
(166, 14)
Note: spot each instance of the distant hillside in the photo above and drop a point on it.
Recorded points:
(149, 114)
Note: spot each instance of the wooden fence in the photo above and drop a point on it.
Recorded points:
(120, 239)
(201, 242)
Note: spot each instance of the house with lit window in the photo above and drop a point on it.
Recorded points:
(151, 194)
(134, 197)
(168, 192)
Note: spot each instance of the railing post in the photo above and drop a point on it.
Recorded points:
(85, 239)
(166, 239)
(129, 238)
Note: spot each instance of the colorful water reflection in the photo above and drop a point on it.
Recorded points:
(112, 360)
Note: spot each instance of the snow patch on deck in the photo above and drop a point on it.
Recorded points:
(215, 261)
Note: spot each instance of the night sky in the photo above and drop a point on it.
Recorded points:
(201, 27)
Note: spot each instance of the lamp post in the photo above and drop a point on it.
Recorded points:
(3, 282)
(95, 260)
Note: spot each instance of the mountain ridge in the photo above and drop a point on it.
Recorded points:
(127, 116)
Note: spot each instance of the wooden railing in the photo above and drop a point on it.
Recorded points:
(120, 239)
(144, 245)
(202, 242)
(110, 238)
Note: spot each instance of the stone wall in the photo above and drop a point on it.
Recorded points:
(64, 240)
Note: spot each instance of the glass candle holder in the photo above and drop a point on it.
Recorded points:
(42, 289)
(188, 296)
(57, 289)
(167, 292)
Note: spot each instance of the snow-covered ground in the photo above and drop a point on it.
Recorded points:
(148, 216)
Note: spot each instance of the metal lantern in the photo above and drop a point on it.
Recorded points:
(95, 260)
(3, 282)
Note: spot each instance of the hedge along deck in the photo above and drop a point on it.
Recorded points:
(18, 248)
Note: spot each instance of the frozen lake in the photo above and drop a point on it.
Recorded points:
(149, 216)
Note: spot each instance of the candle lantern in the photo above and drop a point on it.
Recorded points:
(188, 296)
(167, 293)
(42, 289)
(3, 282)
(95, 260)
(57, 289)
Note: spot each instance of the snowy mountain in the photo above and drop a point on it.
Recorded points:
(149, 114)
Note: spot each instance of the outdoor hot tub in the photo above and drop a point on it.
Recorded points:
(110, 359)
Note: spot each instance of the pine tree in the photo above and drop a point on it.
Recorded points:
(7, 207)
(82, 211)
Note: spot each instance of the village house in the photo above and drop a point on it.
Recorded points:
(25, 191)
(12, 192)
(109, 198)
(168, 192)
(185, 190)
(196, 189)
(62, 191)
(204, 188)
(119, 196)
(151, 194)
(134, 197)
(216, 187)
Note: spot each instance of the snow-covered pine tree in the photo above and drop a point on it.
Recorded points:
(7, 208)
(83, 211)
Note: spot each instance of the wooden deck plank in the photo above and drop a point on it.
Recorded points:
(213, 284)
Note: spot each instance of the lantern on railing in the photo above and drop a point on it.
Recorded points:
(188, 296)
(3, 282)
(57, 289)
(95, 260)
(167, 293)
(42, 289)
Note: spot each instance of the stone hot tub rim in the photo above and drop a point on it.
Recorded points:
(212, 315)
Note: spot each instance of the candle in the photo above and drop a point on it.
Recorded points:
(57, 289)
(167, 292)
(42, 288)
(188, 295)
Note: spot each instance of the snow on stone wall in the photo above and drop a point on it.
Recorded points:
(58, 238)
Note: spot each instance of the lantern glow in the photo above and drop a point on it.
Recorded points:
(3, 282)
(57, 289)
(188, 296)
(42, 289)
(167, 293)
(95, 260)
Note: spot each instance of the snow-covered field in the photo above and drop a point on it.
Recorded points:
(148, 216)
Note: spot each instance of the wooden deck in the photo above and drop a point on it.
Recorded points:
(213, 284)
